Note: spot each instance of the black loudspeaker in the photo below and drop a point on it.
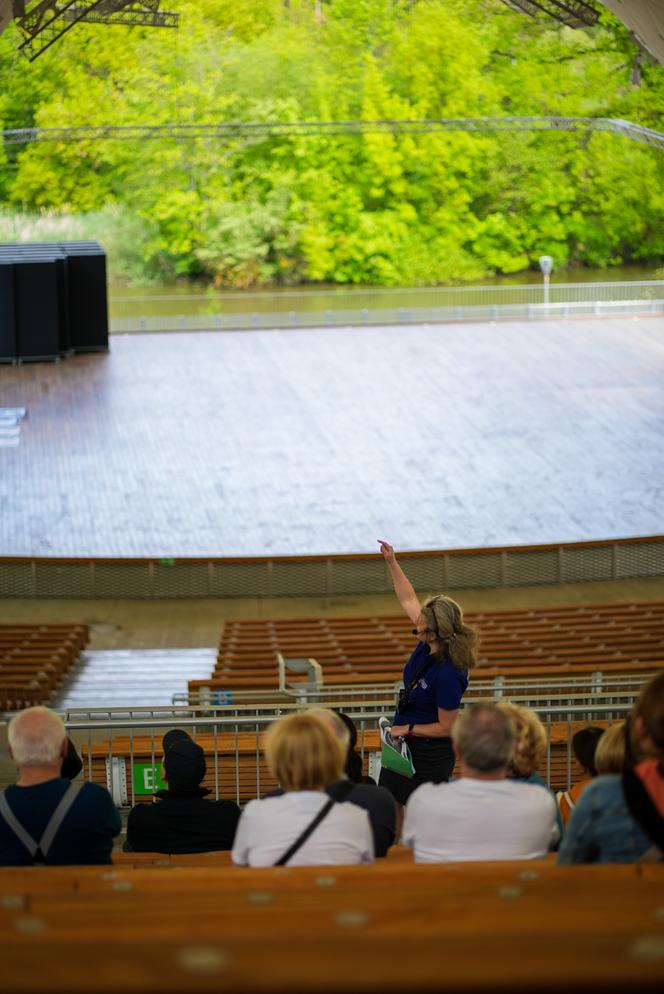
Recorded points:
(36, 307)
(86, 297)
(8, 346)
(52, 299)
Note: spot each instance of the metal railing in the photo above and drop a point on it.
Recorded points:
(584, 686)
(224, 131)
(154, 722)
(311, 309)
(329, 575)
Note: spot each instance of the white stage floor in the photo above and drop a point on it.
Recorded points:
(301, 442)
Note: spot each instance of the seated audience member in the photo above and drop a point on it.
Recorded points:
(376, 801)
(529, 749)
(611, 750)
(584, 745)
(72, 764)
(303, 826)
(182, 820)
(620, 817)
(353, 769)
(43, 817)
(529, 744)
(482, 815)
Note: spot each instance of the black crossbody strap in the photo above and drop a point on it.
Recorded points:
(421, 670)
(642, 809)
(342, 793)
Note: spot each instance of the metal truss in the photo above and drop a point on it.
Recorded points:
(230, 131)
(49, 20)
(573, 13)
(146, 13)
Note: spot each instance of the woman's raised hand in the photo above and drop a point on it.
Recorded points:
(387, 550)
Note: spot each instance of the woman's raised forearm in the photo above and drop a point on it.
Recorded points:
(403, 588)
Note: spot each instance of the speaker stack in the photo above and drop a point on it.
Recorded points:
(53, 300)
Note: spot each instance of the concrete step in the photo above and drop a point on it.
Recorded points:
(133, 678)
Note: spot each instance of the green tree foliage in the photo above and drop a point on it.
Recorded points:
(374, 208)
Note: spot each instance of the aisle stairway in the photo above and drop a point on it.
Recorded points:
(137, 678)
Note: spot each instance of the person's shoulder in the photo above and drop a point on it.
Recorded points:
(351, 814)
(259, 807)
(447, 672)
(95, 793)
(370, 795)
(579, 787)
(526, 788)
(142, 812)
(427, 793)
(603, 789)
(223, 806)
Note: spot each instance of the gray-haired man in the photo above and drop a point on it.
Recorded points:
(482, 815)
(43, 817)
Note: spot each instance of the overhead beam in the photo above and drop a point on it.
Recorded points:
(572, 13)
(47, 21)
(145, 14)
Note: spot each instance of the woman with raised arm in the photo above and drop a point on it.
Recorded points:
(435, 679)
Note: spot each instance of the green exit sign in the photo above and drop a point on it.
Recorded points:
(147, 778)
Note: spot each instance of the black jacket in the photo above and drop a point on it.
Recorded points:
(180, 822)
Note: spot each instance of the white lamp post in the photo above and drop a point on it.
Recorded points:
(546, 265)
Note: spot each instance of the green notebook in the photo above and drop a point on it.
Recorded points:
(395, 754)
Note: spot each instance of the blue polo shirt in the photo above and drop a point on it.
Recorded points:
(442, 686)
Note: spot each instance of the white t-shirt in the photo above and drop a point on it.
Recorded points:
(268, 827)
(471, 819)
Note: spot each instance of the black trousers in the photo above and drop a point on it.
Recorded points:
(433, 760)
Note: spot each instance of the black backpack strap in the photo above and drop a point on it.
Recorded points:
(54, 823)
(412, 684)
(642, 809)
(311, 827)
(341, 792)
(421, 670)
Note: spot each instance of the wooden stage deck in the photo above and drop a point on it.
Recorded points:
(296, 442)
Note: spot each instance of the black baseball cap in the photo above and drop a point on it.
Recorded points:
(184, 760)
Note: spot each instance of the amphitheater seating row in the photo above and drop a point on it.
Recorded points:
(232, 761)
(393, 925)
(34, 659)
(515, 644)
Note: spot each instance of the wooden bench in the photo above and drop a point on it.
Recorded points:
(465, 927)
(34, 660)
(374, 649)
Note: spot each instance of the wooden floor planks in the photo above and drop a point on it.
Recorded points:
(296, 442)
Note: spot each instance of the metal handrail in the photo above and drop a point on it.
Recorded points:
(350, 696)
(225, 321)
(252, 130)
(235, 720)
(146, 714)
(116, 773)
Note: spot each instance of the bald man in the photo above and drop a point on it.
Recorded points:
(43, 817)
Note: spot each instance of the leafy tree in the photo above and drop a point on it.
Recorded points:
(372, 208)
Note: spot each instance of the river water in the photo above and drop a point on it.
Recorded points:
(188, 298)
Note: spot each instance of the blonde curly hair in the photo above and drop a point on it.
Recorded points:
(530, 745)
(611, 748)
